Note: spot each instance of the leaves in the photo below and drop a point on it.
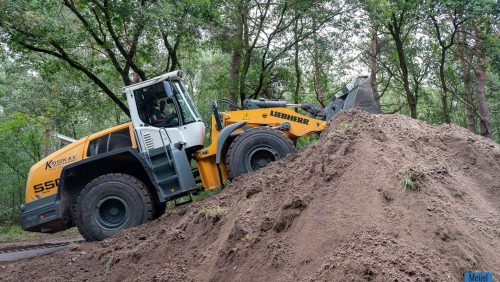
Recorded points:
(63, 63)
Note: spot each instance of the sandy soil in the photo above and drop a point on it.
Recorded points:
(377, 198)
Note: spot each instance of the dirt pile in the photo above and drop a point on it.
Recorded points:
(380, 198)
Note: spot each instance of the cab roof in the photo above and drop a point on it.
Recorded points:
(173, 75)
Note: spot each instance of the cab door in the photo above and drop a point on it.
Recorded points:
(159, 139)
(142, 111)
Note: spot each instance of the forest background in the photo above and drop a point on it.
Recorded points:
(63, 63)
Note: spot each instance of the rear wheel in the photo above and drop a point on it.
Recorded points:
(111, 203)
(255, 148)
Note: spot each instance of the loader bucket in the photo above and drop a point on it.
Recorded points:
(360, 96)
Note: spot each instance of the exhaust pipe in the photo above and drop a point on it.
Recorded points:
(65, 139)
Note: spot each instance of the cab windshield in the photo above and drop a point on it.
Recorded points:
(186, 104)
(156, 108)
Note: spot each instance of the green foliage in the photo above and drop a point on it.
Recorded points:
(214, 213)
(63, 63)
(410, 178)
(304, 141)
(15, 233)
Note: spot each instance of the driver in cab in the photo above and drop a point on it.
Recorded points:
(159, 116)
(156, 117)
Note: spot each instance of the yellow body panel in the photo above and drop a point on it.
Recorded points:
(300, 126)
(43, 178)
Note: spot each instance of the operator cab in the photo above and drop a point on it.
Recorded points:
(155, 108)
(163, 112)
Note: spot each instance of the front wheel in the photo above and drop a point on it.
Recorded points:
(111, 203)
(255, 148)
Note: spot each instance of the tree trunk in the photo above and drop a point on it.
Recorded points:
(296, 65)
(482, 105)
(47, 131)
(318, 87)
(464, 54)
(173, 61)
(13, 206)
(73, 129)
(469, 108)
(444, 47)
(444, 96)
(395, 30)
(234, 69)
(373, 61)
(245, 45)
(406, 83)
(46, 135)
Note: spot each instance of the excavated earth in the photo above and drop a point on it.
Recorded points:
(377, 198)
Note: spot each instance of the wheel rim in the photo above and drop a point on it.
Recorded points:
(259, 156)
(111, 212)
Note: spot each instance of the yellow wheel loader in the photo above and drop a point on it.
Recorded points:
(123, 176)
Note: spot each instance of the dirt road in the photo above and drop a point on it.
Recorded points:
(12, 251)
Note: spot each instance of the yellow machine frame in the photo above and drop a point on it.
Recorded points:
(43, 179)
(300, 126)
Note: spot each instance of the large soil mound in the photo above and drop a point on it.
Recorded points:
(379, 198)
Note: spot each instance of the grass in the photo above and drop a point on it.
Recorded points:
(16, 233)
(410, 177)
(306, 140)
(345, 127)
(214, 213)
(342, 128)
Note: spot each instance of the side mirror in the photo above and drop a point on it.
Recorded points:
(168, 89)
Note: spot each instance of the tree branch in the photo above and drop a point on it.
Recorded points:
(61, 54)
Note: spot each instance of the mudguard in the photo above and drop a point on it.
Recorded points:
(223, 135)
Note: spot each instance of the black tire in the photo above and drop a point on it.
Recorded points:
(160, 210)
(111, 203)
(255, 148)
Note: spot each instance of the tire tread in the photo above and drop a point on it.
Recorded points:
(234, 145)
(140, 187)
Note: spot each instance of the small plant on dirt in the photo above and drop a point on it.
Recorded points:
(109, 265)
(345, 127)
(214, 213)
(342, 128)
(410, 178)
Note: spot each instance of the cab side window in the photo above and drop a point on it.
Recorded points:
(114, 140)
(155, 108)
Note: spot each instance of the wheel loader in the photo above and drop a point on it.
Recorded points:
(123, 176)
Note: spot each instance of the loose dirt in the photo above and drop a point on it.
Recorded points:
(377, 198)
